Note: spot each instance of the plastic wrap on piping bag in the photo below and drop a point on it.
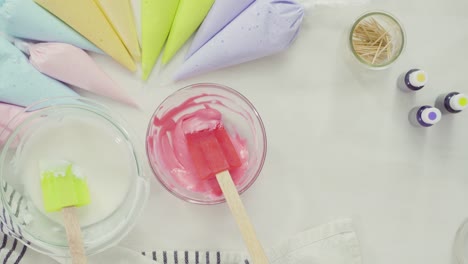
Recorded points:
(86, 17)
(266, 27)
(156, 21)
(25, 19)
(224, 11)
(21, 83)
(7, 113)
(53, 59)
(221, 13)
(120, 15)
(189, 16)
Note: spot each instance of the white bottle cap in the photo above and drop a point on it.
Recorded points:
(418, 78)
(431, 115)
(459, 102)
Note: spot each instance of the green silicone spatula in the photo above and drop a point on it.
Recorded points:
(64, 188)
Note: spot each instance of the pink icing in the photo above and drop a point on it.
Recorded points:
(74, 66)
(7, 113)
(167, 145)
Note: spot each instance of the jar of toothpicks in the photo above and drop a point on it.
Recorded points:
(377, 39)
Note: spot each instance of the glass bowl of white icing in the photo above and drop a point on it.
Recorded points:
(202, 103)
(88, 135)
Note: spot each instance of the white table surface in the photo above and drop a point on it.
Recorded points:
(339, 143)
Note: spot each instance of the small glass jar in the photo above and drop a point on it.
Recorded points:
(377, 39)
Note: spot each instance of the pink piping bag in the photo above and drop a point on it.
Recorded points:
(7, 113)
(72, 65)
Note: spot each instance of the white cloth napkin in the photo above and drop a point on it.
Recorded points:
(332, 243)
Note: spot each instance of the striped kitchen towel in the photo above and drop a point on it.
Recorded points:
(121, 255)
(13, 247)
(11, 250)
(200, 257)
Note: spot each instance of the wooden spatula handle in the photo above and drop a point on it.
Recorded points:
(75, 240)
(240, 215)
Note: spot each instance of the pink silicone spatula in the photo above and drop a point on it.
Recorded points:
(213, 155)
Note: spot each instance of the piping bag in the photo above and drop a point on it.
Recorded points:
(87, 18)
(21, 83)
(221, 13)
(156, 21)
(120, 15)
(7, 113)
(190, 14)
(238, 31)
(266, 27)
(25, 19)
(71, 65)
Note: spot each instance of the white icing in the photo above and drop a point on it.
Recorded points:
(96, 149)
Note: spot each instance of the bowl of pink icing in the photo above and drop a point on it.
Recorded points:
(194, 108)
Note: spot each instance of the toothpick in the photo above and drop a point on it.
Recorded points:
(373, 61)
(378, 53)
(372, 42)
(388, 50)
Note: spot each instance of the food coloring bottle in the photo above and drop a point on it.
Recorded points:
(453, 102)
(425, 116)
(412, 80)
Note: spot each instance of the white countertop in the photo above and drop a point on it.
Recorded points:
(339, 143)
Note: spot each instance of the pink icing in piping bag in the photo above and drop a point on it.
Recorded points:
(72, 65)
(7, 113)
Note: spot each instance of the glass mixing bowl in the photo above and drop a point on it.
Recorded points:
(35, 133)
(241, 120)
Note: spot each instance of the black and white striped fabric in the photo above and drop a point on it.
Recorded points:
(17, 207)
(11, 250)
(194, 257)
